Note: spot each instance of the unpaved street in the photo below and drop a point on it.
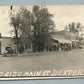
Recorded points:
(54, 60)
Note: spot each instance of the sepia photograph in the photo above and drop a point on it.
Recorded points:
(39, 42)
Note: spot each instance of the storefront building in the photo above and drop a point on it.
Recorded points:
(6, 42)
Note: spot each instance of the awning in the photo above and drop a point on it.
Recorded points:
(54, 43)
(61, 40)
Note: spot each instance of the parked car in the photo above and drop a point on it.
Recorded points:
(9, 50)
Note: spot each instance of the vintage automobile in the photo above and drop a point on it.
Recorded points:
(8, 51)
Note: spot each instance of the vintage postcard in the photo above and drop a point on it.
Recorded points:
(41, 42)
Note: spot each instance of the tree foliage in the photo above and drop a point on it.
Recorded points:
(34, 26)
(42, 26)
(74, 27)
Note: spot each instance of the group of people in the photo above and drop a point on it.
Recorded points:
(62, 46)
(66, 47)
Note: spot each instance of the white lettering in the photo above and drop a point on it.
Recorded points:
(46, 73)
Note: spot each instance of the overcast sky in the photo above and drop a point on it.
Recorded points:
(62, 16)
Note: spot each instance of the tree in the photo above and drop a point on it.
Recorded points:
(26, 26)
(15, 21)
(21, 22)
(74, 27)
(43, 24)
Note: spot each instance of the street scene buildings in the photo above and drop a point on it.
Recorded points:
(61, 41)
(41, 38)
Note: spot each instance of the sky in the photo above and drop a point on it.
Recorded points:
(63, 15)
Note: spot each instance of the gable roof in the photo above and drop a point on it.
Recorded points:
(62, 32)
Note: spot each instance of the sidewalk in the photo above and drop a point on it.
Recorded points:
(42, 53)
(46, 53)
